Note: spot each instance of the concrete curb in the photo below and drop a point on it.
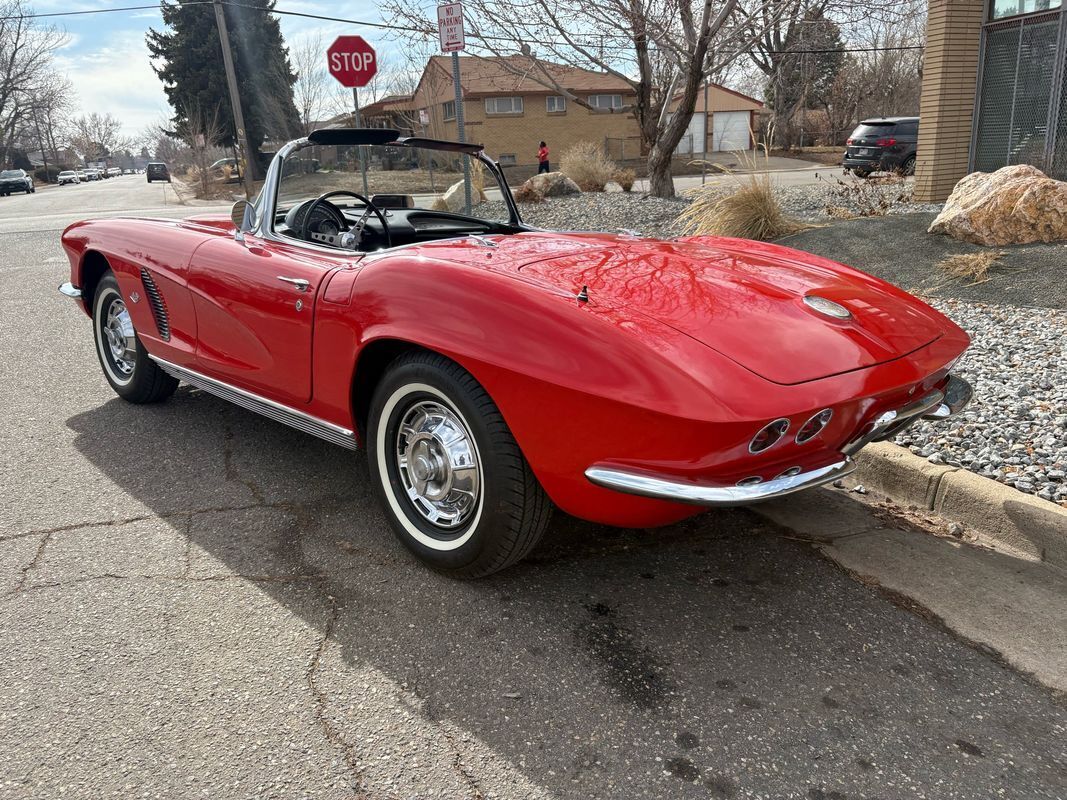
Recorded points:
(1003, 517)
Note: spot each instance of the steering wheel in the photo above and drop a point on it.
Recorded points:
(339, 218)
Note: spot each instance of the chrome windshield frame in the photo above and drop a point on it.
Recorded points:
(266, 202)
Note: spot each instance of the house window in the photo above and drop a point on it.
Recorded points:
(450, 110)
(507, 159)
(556, 104)
(605, 100)
(503, 105)
(1011, 8)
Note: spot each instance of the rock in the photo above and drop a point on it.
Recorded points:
(955, 529)
(1014, 205)
(546, 184)
(453, 199)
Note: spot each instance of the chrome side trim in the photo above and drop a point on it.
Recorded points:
(68, 289)
(334, 434)
(680, 490)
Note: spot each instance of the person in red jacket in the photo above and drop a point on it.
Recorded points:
(542, 159)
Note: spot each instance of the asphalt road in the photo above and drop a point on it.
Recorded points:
(198, 602)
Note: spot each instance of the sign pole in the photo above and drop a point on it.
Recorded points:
(462, 133)
(359, 123)
(250, 170)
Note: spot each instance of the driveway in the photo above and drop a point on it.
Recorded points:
(198, 602)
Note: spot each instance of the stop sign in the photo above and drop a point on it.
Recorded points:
(352, 61)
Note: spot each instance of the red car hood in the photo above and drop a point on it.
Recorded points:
(743, 299)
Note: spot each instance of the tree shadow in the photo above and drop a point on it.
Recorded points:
(711, 658)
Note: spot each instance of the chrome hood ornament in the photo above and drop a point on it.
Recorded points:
(827, 307)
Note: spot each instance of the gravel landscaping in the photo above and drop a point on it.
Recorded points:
(1015, 431)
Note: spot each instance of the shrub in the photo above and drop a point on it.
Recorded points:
(586, 165)
(871, 197)
(751, 211)
(625, 178)
(50, 176)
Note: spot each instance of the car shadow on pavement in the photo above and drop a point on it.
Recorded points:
(717, 657)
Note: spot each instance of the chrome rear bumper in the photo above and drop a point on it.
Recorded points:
(693, 492)
(938, 404)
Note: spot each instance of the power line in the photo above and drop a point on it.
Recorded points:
(601, 40)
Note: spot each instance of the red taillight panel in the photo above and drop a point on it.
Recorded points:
(886, 142)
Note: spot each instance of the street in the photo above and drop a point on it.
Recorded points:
(199, 602)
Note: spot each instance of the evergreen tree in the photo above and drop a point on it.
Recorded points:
(190, 65)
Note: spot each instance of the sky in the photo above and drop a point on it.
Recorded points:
(106, 59)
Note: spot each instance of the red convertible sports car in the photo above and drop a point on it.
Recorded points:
(492, 370)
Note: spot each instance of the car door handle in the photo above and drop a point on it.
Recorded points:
(300, 284)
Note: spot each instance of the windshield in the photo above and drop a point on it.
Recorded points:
(393, 176)
(11, 173)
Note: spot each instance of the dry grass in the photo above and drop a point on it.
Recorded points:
(527, 194)
(975, 266)
(751, 211)
(586, 164)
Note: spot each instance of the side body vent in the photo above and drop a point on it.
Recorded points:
(159, 308)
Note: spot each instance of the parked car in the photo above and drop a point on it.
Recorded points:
(92, 175)
(113, 172)
(127, 172)
(492, 370)
(158, 171)
(67, 176)
(15, 180)
(880, 145)
(82, 175)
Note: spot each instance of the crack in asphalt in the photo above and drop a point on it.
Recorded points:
(232, 473)
(24, 575)
(424, 709)
(161, 577)
(330, 731)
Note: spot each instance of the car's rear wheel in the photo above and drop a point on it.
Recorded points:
(448, 472)
(907, 167)
(127, 367)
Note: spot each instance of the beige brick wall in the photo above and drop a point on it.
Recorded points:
(946, 107)
(520, 134)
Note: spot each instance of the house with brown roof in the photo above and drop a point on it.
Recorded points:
(509, 112)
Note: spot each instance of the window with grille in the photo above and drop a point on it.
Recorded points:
(1001, 9)
(450, 110)
(1015, 97)
(555, 103)
(503, 105)
(605, 100)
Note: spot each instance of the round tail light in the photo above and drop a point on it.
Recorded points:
(768, 435)
(813, 427)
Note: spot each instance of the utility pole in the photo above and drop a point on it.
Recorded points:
(250, 169)
(462, 134)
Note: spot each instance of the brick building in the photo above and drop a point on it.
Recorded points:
(994, 90)
(509, 113)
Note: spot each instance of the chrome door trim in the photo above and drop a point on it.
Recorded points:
(286, 415)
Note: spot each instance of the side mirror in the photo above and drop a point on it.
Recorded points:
(243, 215)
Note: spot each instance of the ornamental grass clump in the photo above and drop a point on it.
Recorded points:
(975, 266)
(751, 211)
(586, 164)
(625, 178)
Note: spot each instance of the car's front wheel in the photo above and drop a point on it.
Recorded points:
(133, 375)
(452, 480)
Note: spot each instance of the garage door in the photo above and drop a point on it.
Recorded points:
(729, 130)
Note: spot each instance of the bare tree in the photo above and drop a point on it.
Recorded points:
(26, 50)
(663, 50)
(314, 85)
(95, 136)
(201, 131)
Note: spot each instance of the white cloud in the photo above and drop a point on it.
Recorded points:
(117, 78)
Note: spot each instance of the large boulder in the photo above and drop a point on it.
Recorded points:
(1014, 205)
(552, 184)
(455, 198)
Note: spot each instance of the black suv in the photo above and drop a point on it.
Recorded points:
(887, 144)
(157, 171)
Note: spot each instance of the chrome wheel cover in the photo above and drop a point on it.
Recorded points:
(438, 464)
(119, 338)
